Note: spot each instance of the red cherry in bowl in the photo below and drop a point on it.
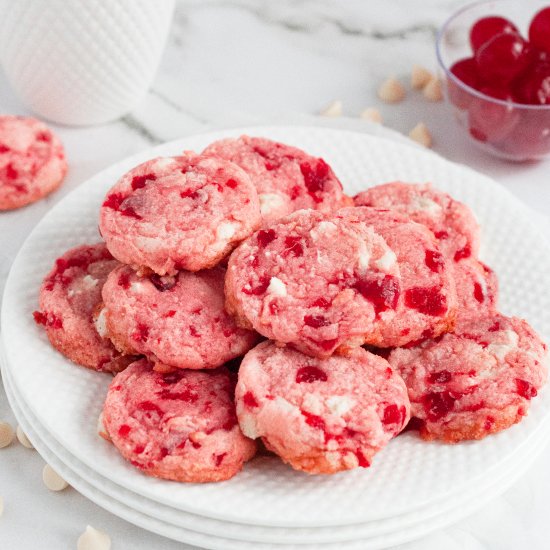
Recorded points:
(530, 138)
(487, 27)
(533, 87)
(466, 71)
(539, 30)
(491, 121)
(503, 58)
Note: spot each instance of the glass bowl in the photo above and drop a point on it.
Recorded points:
(512, 131)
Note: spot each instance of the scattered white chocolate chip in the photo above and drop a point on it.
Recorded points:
(420, 76)
(371, 114)
(52, 480)
(23, 439)
(421, 135)
(1, 506)
(6, 434)
(432, 91)
(391, 91)
(332, 109)
(93, 539)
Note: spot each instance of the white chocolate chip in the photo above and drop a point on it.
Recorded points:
(93, 539)
(363, 258)
(52, 480)
(432, 91)
(371, 114)
(270, 202)
(312, 403)
(164, 162)
(100, 323)
(501, 349)
(333, 109)
(326, 227)
(197, 437)
(420, 76)
(248, 426)
(6, 434)
(391, 91)
(89, 282)
(276, 287)
(225, 230)
(387, 261)
(421, 134)
(340, 404)
(23, 439)
(425, 204)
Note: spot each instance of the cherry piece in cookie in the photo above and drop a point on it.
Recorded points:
(316, 281)
(320, 416)
(286, 178)
(178, 320)
(185, 212)
(427, 303)
(178, 425)
(475, 382)
(69, 297)
(451, 221)
(32, 161)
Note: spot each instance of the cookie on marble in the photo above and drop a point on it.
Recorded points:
(178, 320)
(451, 221)
(427, 302)
(176, 213)
(178, 425)
(320, 416)
(475, 382)
(32, 161)
(286, 178)
(69, 296)
(317, 281)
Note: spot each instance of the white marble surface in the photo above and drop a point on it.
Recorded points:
(238, 62)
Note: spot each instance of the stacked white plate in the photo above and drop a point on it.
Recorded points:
(412, 488)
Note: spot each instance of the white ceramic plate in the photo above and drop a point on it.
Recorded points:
(408, 474)
(51, 452)
(468, 501)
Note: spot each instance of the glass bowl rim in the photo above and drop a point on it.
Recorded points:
(438, 42)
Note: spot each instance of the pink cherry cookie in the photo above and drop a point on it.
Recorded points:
(320, 415)
(178, 425)
(474, 382)
(427, 302)
(286, 178)
(69, 297)
(317, 281)
(177, 320)
(32, 161)
(176, 213)
(451, 221)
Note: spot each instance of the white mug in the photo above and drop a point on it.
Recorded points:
(82, 62)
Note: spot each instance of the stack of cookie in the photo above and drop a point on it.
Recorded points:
(376, 310)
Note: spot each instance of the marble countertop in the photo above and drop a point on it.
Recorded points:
(243, 62)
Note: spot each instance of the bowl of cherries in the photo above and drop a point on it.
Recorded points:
(494, 59)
